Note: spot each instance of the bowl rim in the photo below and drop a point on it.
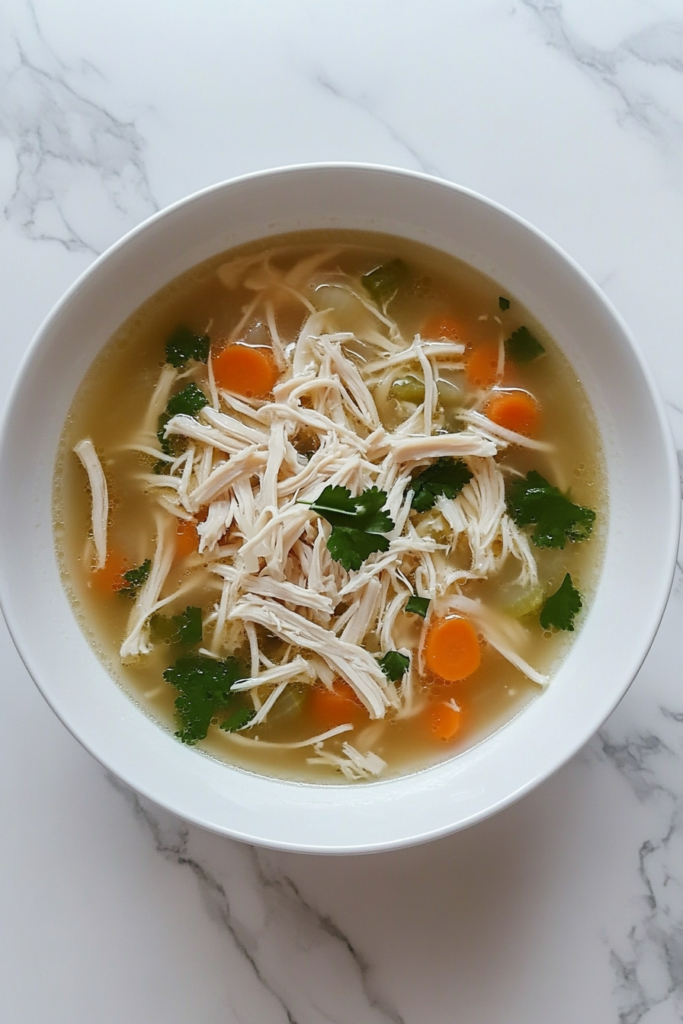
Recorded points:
(665, 578)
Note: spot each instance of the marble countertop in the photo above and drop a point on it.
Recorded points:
(565, 908)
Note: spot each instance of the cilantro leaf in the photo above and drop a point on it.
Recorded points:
(384, 281)
(204, 686)
(188, 626)
(532, 501)
(184, 345)
(503, 303)
(351, 547)
(185, 629)
(394, 665)
(522, 346)
(358, 524)
(560, 608)
(238, 719)
(418, 605)
(445, 476)
(188, 401)
(135, 578)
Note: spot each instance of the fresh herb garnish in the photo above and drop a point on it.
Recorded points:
(445, 476)
(188, 402)
(418, 605)
(394, 665)
(522, 346)
(358, 524)
(184, 345)
(135, 578)
(185, 629)
(532, 501)
(204, 685)
(384, 281)
(238, 720)
(560, 608)
(503, 303)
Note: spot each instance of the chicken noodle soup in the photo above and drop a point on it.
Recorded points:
(330, 507)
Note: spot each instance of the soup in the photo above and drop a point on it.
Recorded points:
(329, 507)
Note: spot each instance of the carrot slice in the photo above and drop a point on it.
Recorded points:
(109, 578)
(186, 539)
(444, 721)
(452, 649)
(441, 325)
(335, 706)
(246, 370)
(482, 365)
(514, 410)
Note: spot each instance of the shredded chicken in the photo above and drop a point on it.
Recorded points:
(250, 466)
(99, 497)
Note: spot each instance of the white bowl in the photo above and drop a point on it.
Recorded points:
(640, 548)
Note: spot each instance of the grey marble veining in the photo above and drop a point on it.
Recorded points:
(569, 906)
(643, 72)
(80, 176)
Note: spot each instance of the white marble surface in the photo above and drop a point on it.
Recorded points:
(565, 908)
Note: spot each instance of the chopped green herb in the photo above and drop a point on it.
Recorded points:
(188, 401)
(394, 665)
(184, 345)
(384, 281)
(522, 346)
(559, 610)
(185, 629)
(418, 605)
(357, 523)
(532, 501)
(160, 466)
(238, 720)
(445, 476)
(503, 303)
(135, 578)
(204, 686)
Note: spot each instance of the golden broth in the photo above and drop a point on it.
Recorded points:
(114, 396)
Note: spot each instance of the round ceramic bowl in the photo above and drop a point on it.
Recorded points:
(640, 546)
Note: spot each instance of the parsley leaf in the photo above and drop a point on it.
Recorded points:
(188, 401)
(503, 303)
(522, 346)
(184, 344)
(204, 686)
(384, 281)
(238, 720)
(559, 610)
(532, 501)
(394, 665)
(135, 578)
(357, 523)
(445, 476)
(418, 605)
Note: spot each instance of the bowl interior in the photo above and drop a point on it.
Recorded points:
(638, 564)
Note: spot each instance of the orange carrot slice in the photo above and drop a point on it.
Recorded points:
(482, 365)
(335, 706)
(109, 578)
(246, 370)
(186, 541)
(442, 326)
(514, 410)
(444, 721)
(452, 650)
